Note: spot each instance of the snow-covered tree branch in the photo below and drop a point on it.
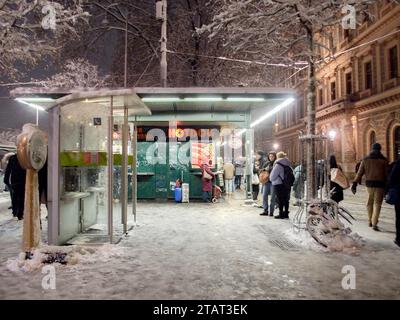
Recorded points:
(33, 30)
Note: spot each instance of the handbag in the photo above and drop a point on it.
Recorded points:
(206, 175)
(254, 179)
(393, 196)
(337, 176)
(264, 177)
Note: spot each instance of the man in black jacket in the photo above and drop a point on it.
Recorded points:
(15, 176)
(394, 182)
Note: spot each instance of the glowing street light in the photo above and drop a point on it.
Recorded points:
(275, 146)
(332, 135)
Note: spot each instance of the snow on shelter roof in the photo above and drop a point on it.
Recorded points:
(158, 99)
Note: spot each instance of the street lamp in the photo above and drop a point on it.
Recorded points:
(275, 146)
(332, 135)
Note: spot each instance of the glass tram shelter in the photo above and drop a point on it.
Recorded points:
(103, 145)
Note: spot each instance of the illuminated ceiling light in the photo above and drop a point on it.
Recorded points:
(270, 113)
(239, 133)
(245, 99)
(161, 99)
(35, 106)
(275, 146)
(36, 99)
(202, 99)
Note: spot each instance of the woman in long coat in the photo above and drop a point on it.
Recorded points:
(207, 184)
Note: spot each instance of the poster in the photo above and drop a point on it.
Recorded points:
(202, 152)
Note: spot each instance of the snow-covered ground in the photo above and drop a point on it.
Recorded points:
(205, 251)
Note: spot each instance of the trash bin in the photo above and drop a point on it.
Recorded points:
(178, 194)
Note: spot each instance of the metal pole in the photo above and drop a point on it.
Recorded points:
(110, 172)
(163, 62)
(124, 171)
(134, 171)
(37, 116)
(126, 53)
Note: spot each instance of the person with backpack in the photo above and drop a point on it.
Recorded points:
(394, 187)
(282, 179)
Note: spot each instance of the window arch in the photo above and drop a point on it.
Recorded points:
(396, 143)
(372, 137)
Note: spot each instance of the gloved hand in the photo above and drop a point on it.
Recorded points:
(354, 187)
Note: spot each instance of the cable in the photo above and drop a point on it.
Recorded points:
(330, 58)
(239, 60)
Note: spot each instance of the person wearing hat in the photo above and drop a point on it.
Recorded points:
(375, 168)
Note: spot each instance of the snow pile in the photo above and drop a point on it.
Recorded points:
(344, 241)
(303, 239)
(71, 255)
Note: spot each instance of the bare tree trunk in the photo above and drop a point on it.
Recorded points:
(311, 123)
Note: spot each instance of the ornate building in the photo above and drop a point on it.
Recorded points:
(358, 95)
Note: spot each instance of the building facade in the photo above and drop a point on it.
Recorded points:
(358, 93)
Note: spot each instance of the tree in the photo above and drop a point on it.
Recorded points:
(77, 73)
(34, 30)
(286, 31)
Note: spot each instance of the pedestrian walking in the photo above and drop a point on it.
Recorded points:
(229, 174)
(394, 188)
(298, 185)
(336, 191)
(7, 181)
(267, 189)
(375, 169)
(15, 175)
(206, 178)
(239, 169)
(282, 178)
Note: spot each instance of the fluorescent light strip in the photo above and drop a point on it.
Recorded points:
(35, 106)
(245, 99)
(161, 99)
(270, 113)
(241, 132)
(36, 99)
(201, 99)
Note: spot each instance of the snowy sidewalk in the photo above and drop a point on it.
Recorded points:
(220, 251)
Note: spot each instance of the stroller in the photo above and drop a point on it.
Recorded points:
(216, 194)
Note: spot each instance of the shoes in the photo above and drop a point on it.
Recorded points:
(279, 217)
(271, 214)
(264, 214)
(9, 208)
(370, 225)
(375, 228)
(397, 243)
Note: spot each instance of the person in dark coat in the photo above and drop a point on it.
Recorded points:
(7, 182)
(15, 174)
(394, 182)
(207, 183)
(42, 178)
(336, 190)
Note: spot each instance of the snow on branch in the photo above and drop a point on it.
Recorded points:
(32, 30)
(77, 73)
